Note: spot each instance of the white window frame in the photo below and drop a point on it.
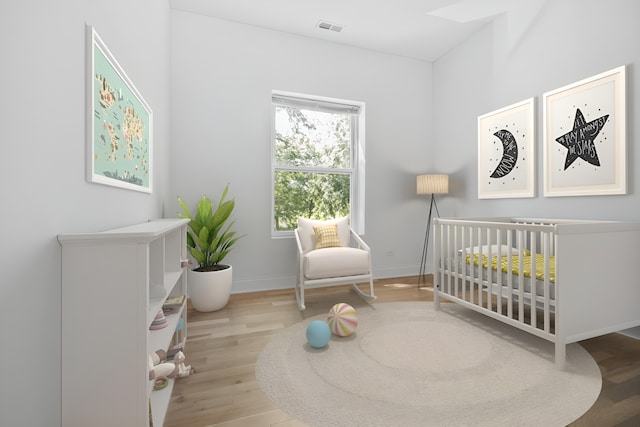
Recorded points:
(357, 170)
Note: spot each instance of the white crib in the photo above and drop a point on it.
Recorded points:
(586, 283)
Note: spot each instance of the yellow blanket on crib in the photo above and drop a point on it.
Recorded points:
(515, 264)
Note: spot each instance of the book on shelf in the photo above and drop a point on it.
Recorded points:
(173, 302)
(178, 338)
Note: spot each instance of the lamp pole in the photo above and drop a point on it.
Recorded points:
(425, 248)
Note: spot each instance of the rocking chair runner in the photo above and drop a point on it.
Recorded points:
(331, 253)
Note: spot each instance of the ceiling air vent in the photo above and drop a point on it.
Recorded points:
(324, 25)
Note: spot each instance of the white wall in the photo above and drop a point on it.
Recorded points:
(43, 190)
(222, 77)
(569, 40)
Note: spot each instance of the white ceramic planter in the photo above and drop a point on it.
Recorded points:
(209, 291)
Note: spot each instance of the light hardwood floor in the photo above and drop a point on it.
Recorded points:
(223, 348)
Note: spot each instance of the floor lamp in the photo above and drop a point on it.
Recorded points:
(430, 184)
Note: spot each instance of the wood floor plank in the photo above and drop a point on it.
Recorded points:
(223, 348)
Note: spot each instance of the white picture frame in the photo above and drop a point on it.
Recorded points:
(119, 123)
(506, 152)
(584, 126)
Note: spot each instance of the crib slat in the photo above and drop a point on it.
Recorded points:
(437, 256)
(533, 286)
(471, 267)
(456, 262)
(548, 237)
(499, 274)
(490, 256)
(510, 276)
(463, 280)
(449, 244)
(521, 238)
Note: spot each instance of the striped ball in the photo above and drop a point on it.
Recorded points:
(342, 319)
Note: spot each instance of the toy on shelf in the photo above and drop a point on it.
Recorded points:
(159, 322)
(158, 356)
(159, 367)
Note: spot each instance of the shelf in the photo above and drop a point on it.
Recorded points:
(160, 338)
(160, 399)
(169, 283)
(143, 232)
(123, 264)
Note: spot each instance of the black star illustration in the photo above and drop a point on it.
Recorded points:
(580, 140)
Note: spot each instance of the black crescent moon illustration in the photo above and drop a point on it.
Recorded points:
(509, 155)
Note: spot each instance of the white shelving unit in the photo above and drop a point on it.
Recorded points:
(107, 308)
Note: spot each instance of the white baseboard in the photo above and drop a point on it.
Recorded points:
(288, 282)
(263, 284)
(632, 332)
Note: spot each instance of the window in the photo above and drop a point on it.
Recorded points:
(317, 159)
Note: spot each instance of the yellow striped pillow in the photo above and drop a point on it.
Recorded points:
(326, 236)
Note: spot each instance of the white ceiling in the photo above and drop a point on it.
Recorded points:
(420, 29)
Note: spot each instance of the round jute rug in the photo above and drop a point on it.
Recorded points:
(409, 365)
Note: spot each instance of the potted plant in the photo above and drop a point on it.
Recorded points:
(209, 241)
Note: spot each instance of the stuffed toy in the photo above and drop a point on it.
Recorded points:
(158, 367)
(158, 357)
(182, 370)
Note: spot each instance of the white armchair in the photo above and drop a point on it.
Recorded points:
(331, 253)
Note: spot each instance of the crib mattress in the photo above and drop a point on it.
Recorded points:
(506, 274)
(527, 263)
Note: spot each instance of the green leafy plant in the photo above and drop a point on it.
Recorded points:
(209, 238)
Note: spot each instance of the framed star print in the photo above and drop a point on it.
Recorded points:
(119, 123)
(584, 137)
(506, 155)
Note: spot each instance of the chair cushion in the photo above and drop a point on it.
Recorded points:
(326, 236)
(335, 262)
(308, 237)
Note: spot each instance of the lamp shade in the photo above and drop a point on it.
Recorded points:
(433, 184)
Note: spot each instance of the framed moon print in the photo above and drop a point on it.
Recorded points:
(119, 123)
(506, 152)
(584, 137)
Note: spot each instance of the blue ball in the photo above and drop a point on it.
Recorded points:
(318, 334)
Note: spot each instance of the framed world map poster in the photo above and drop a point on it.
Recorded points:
(584, 137)
(119, 123)
(506, 154)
